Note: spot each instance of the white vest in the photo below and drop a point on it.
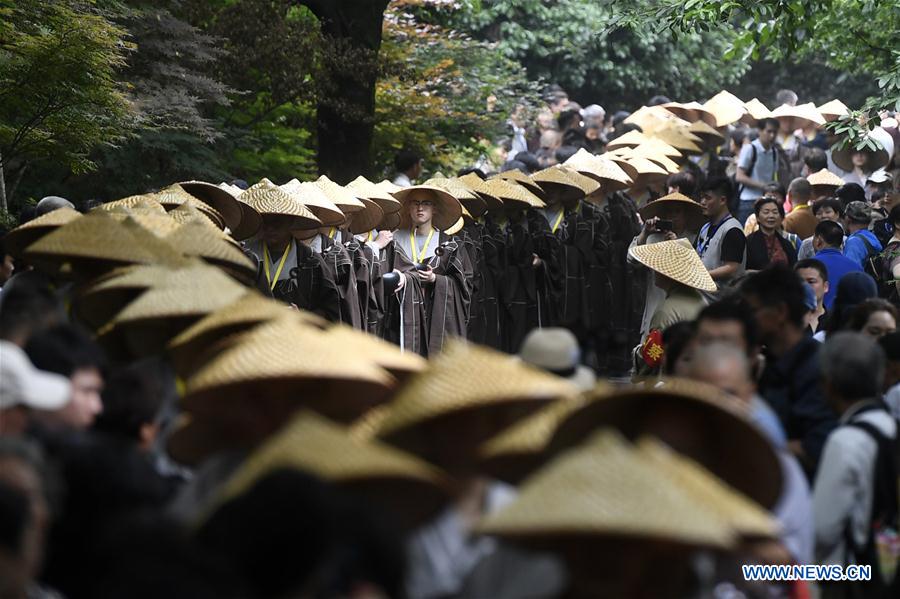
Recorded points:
(710, 249)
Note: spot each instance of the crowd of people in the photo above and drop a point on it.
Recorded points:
(650, 349)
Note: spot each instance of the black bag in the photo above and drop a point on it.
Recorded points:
(878, 266)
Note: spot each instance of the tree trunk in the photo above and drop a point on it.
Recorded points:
(345, 112)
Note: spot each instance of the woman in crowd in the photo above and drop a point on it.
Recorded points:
(769, 245)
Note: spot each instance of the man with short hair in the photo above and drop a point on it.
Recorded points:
(827, 242)
(786, 96)
(790, 382)
(823, 209)
(801, 220)
(409, 168)
(814, 161)
(815, 273)
(846, 482)
(757, 166)
(24, 388)
(861, 243)
(721, 242)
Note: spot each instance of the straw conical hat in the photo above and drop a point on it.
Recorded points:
(187, 213)
(628, 140)
(726, 107)
(390, 222)
(466, 380)
(343, 198)
(196, 239)
(646, 168)
(384, 354)
(796, 117)
(824, 178)
(366, 219)
(833, 110)
(379, 473)
(97, 241)
(268, 199)
(741, 513)
(363, 188)
(652, 153)
(877, 158)
(557, 184)
(522, 179)
(756, 111)
(311, 195)
(147, 201)
(724, 439)
(606, 491)
(26, 234)
(600, 168)
(388, 186)
(447, 210)
(158, 224)
(465, 195)
(676, 260)
(512, 194)
(242, 220)
(248, 311)
(479, 186)
(620, 157)
(286, 359)
(650, 118)
(679, 138)
(691, 112)
(520, 450)
(173, 196)
(693, 212)
(251, 220)
(709, 135)
(586, 184)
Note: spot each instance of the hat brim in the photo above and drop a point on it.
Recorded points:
(447, 211)
(693, 211)
(220, 199)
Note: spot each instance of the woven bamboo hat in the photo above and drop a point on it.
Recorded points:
(343, 198)
(187, 213)
(366, 219)
(724, 439)
(479, 186)
(679, 138)
(174, 195)
(522, 179)
(877, 158)
(586, 184)
(741, 513)
(726, 107)
(512, 194)
(518, 451)
(250, 310)
(464, 382)
(465, 195)
(242, 220)
(620, 157)
(251, 220)
(693, 212)
(651, 152)
(170, 305)
(160, 225)
(651, 118)
(391, 479)
(756, 111)
(447, 210)
(311, 195)
(676, 260)
(796, 117)
(268, 199)
(97, 242)
(833, 110)
(384, 354)
(289, 360)
(708, 134)
(363, 188)
(824, 182)
(557, 184)
(604, 492)
(629, 140)
(26, 234)
(196, 239)
(648, 171)
(145, 201)
(600, 168)
(691, 112)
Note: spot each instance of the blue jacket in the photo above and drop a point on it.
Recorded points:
(855, 248)
(837, 265)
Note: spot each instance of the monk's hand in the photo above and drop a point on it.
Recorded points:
(383, 238)
(427, 275)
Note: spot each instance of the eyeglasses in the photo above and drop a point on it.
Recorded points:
(422, 204)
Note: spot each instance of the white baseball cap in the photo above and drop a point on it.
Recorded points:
(23, 384)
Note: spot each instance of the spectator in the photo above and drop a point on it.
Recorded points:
(890, 260)
(861, 243)
(849, 192)
(874, 317)
(768, 245)
(845, 486)
(684, 183)
(853, 289)
(814, 161)
(786, 96)
(24, 388)
(801, 221)
(132, 403)
(772, 190)
(790, 381)
(556, 350)
(26, 309)
(757, 166)
(721, 242)
(408, 165)
(827, 242)
(824, 209)
(815, 274)
(68, 351)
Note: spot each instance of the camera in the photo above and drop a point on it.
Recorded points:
(664, 225)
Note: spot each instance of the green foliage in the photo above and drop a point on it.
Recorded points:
(59, 93)
(574, 43)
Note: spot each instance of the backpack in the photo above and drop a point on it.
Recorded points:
(882, 548)
(878, 266)
(782, 174)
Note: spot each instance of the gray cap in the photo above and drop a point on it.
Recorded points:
(858, 212)
(51, 203)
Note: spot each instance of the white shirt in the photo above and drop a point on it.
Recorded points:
(402, 180)
(844, 483)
